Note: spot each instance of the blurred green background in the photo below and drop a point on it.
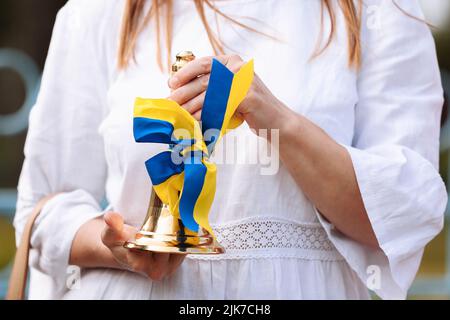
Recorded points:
(25, 30)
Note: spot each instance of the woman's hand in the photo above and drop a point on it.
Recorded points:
(156, 266)
(260, 109)
(89, 250)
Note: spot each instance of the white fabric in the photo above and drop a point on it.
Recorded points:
(387, 115)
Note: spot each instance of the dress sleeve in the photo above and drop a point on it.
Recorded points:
(64, 151)
(395, 150)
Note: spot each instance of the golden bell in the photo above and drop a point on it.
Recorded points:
(163, 231)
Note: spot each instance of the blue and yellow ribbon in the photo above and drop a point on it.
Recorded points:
(183, 177)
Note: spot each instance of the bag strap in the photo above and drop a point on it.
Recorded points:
(19, 272)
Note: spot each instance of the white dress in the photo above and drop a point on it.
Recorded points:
(387, 115)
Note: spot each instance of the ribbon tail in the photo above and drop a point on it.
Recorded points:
(242, 82)
(194, 177)
(206, 197)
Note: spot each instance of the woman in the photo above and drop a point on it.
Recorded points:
(354, 92)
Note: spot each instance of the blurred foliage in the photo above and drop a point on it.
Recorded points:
(433, 263)
(442, 37)
(7, 243)
(24, 25)
(443, 166)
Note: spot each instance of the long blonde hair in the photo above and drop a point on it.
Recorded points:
(135, 20)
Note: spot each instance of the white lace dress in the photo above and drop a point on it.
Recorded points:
(387, 115)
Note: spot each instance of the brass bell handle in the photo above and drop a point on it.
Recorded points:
(182, 58)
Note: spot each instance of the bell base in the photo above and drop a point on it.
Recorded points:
(162, 249)
(151, 242)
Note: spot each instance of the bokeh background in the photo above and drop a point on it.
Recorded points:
(25, 31)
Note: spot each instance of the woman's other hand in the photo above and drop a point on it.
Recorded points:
(260, 109)
(90, 250)
(156, 266)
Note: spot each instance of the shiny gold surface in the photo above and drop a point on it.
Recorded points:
(162, 231)
(182, 58)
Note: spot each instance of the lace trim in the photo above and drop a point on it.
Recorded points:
(266, 237)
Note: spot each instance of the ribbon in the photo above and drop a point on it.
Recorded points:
(183, 177)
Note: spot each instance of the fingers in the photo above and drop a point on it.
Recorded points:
(174, 263)
(129, 232)
(202, 66)
(114, 221)
(154, 265)
(197, 115)
(159, 266)
(164, 265)
(195, 104)
(189, 85)
(190, 90)
(139, 262)
(161, 259)
(190, 71)
(112, 234)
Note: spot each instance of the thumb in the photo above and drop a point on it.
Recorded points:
(113, 234)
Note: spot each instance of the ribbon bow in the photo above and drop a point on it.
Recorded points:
(183, 177)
